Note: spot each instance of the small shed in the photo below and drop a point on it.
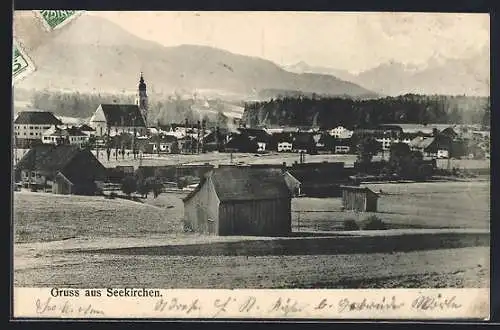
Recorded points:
(360, 199)
(240, 201)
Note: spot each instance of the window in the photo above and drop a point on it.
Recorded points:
(31, 127)
(31, 133)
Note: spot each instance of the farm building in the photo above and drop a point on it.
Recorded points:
(240, 201)
(67, 169)
(360, 199)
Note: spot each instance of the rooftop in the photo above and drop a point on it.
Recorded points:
(36, 118)
(235, 183)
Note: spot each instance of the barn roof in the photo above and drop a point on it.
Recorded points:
(86, 128)
(37, 118)
(359, 189)
(48, 158)
(123, 115)
(237, 183)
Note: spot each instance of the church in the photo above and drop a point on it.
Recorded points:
(113, 119)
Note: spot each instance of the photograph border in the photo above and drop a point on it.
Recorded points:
(472, 6)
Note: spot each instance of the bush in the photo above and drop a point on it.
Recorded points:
(129, 185)
(374, 223)
(350, 224)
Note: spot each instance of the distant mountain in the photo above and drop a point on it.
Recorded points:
(93, 54)
(303, 67)
(469, 76)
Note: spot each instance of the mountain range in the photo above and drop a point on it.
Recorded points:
(449, 76)
(92, 54)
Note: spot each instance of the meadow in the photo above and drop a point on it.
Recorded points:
(79, 241)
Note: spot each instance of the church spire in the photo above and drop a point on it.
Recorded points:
(142, 85)
(142, 98)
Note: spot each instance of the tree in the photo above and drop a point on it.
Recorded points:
(486, 119)
(367, 148)
(144, 188)
(157, 187)
(129, 185)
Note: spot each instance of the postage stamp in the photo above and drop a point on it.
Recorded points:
(55, 19)
(21, 63)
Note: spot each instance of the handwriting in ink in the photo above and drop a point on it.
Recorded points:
(435, 302)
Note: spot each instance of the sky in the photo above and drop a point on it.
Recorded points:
(350, 41)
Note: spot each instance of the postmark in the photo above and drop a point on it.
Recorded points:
(21, 63)
(55, 19)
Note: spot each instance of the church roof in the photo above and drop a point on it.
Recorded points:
(123, 115)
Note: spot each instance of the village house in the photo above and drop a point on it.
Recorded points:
(340, 132)
(64, 169)
(165, 144)
(114, 119)
(359, 199)
(71, 135)
(260, 136)
(29, 126)
(87, 130)
(304, 142)
(284, 146)
(240, 201)
(435, 147)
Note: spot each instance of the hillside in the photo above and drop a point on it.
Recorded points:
(93, 54)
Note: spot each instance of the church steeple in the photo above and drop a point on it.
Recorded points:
(142, 98)
(142, 85)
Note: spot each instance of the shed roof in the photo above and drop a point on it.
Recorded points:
(37, 118)
(48, 158)
(359, 189)
(237, 183)
(123, 115)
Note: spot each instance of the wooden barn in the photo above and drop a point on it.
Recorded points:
(66, 169)
(360, 199)
(240, 201)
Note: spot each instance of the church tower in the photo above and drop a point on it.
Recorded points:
(142, 98)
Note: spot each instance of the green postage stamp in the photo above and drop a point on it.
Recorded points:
(55, 19)
(21, 63)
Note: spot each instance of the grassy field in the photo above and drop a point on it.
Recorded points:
(469, 164)
(92, 241)
(47, 217)
(414, 205)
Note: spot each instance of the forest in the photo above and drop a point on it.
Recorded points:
(293, 110)
(326, 112)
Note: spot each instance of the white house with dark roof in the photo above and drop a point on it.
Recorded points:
(69, 135)
(31, 125)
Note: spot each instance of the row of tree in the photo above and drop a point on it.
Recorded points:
(327, 112)
(142, 186)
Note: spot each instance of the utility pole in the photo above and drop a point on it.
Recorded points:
(192, 138)
(198, 138)
(133, 139)
(158, 137)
